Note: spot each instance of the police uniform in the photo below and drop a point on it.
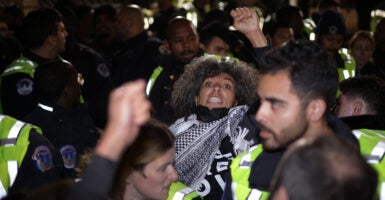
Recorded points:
(160, 86)
(252, 172)
(179, 191)
(136, 59)
(369, 129)
(70, 131)
(27, 159)
(372, 146)
(97, 79)
(346, 65)
(16, 86)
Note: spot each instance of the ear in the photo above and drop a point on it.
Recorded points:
(280, 194)
(358, 107)
(50, 40)
(316, 109)
(167, 44)
(196, 99)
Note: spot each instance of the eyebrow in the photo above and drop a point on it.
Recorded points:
(274, 100)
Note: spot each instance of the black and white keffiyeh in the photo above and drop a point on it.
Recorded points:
(196, 143)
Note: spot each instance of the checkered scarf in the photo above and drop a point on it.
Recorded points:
(196, 143)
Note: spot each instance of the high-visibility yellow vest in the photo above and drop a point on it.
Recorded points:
(240, 169)
(372, 146)
(179, 191)
(14, 142)
(349, 69)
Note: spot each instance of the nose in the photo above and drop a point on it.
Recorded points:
(173, 174)
(261, 112)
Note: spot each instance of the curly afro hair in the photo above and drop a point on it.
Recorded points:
(188, 85)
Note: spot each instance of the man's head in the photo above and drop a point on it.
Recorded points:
(103, 20)
(361, 96)
(280, 34)
(328, 168)
(217, 39)
(291, 16)
(44, 28)
(330, 31)
(182, 39)
(57, 82)
(297, 87)
(129, 22)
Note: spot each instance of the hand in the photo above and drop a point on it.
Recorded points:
(246, 21)
(128, 109)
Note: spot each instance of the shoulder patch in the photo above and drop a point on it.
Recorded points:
(24, 86)
(43, 158)
(103, 70)
(68, 153)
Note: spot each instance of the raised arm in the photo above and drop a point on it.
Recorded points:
(246, 21)
(128, 110)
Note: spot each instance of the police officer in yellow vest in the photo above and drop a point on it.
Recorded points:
(43, 34)
(27, 159)
(330, 32)
(361, 106)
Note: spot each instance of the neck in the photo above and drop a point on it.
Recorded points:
(130, 193)
(317, 129)
(44, 52)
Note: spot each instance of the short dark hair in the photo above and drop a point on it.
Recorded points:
(329, 168)
(275, 26)
(175, 22)
(188, 85)
(217, 29)
(50, 79)
(368, 88)
(310, 73)
(107, 10)
(38, 25)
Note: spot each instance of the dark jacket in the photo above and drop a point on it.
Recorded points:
(70, 131)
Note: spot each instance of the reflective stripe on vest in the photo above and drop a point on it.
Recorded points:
(372, 147)
(240, 169)
(20, 65)
(151, 82)
(349, 69)
(179, 191)
(179, 195)
(14, 137)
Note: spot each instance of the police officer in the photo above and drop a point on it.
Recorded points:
(43, 33)
(330, 32)
(361, 106)
(94, 69)
(182, 40)
(59, 113)
(136, 56)
(179, 191)
(28, 160)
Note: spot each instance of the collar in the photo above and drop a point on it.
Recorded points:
(206, 115)
(39, 60)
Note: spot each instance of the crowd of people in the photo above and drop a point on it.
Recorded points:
(95, 104)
